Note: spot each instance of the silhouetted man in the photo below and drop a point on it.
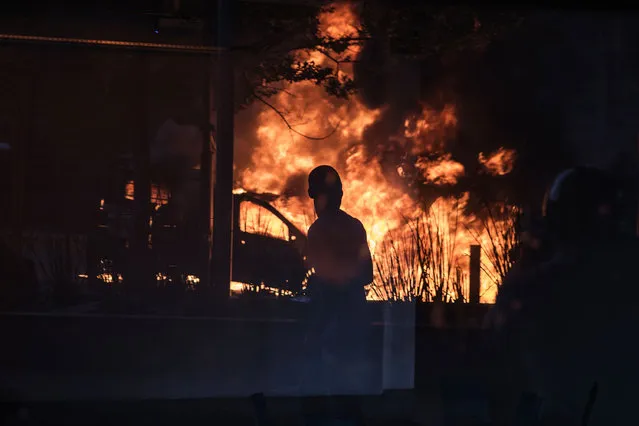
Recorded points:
(338, 251)
(337, 245)
(571, 319)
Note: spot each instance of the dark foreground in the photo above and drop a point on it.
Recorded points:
(77, 370)
(389, 409)
(415, 407)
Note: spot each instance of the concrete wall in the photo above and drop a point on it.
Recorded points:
(63, 357)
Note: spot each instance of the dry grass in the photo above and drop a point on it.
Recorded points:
(501, 224)
(419, 261)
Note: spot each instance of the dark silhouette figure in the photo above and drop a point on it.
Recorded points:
(566, 323)
(338, 251)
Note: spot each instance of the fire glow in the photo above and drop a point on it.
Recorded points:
(499, 162)
(384, 207)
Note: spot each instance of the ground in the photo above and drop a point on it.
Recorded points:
(398, 408)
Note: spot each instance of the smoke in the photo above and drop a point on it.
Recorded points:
(371, 74)
(245, 136)
(295, 186)
(402, 87)
(504, 96)
(389, 83)
(563, 100)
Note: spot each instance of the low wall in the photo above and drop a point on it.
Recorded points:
(63, 357)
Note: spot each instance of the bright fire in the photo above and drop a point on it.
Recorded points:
(441, 171)
(500, 162)
(281, 159)
(428, 131)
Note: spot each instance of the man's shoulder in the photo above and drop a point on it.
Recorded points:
(312, 230)
(318, 226)
(339, 220)
(523, 282)
(352, 221)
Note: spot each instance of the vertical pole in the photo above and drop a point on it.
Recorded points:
(17, 182)
(138, 264)
(206, 170)
(474, 273)
(223, 191)
(636, 171)
(20, 151)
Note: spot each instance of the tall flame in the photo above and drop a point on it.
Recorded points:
(281, 158)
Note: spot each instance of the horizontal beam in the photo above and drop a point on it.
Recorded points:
(180, 48)
(291, 2)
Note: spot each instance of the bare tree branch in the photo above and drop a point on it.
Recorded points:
(282, 90)
(290, 126)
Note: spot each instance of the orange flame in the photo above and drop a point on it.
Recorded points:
(341, 22)
(429, 131)
(500, 162)
(281, 158)
(443, 171)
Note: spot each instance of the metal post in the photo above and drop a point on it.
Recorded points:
(20, 151)
(206, 171)
(474, 273)
(636, 171)
(223, 191)
(138, 267)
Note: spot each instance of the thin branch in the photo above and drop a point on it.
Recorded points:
(290, 127)
(281, 90)
(310, 44)
(326, 53)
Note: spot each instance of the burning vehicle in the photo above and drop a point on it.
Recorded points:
(268, 249)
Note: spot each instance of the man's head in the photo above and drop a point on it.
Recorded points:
(325, 188)
(582, 204)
